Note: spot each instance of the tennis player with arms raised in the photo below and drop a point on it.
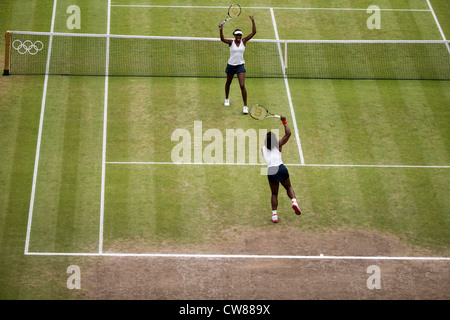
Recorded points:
(277, 172)
(236, 62)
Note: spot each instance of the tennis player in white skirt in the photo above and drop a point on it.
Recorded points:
(276, 171)
(236, 62)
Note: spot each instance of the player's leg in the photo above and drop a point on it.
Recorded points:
(289, 190)
(227, 88)
(274, 186)
(241, 78)
(291, 194)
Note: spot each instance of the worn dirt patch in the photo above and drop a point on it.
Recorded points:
(215, 278)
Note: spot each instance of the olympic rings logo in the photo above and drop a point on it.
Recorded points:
(27, 46)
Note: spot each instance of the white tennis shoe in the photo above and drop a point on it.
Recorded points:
(296, 208)
(274, 218)
(227, 103)
(245, 110)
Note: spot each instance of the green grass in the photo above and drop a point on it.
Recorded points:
(373, 122)
(174, 208)
(68, 184)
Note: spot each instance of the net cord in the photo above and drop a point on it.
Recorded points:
(285, 41)
(441, 74)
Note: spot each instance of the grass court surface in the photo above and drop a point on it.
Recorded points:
(87, 176)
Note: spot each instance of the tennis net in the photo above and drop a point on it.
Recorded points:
(38, 53)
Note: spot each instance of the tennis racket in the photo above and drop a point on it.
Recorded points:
(233, 12)
(260, 112)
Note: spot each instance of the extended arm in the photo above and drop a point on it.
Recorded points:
(287, 132)
(222, 38)
(247, 38)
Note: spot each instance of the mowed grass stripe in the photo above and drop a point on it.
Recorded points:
(333, 25)
(80, 180)
(66, 210)
(20, 108)
(373, 122)
(10, 131)
(410, 203)
(93, 16)
(144, 112)
(211, 204)
(441, 9)
(140, 206)
(33, 15)
(409, 25)
(316, 104)
(69, 173)
(189, 22)
(131, 119)
(379, 117)
(43, 225)
(428, 115)
(411, 118)
(19, 122)
(432, 218)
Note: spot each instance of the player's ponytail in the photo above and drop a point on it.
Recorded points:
(271, 140)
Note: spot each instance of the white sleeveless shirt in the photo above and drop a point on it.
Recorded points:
(236, 54)
(272, 156)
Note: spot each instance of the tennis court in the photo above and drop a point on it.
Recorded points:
(91, 179)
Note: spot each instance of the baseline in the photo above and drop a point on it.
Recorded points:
(240, 256)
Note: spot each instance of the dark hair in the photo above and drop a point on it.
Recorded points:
(271, 140)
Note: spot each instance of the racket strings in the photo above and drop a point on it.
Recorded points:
(258, 112)
(234, 11)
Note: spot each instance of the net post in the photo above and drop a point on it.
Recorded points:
(7, 51)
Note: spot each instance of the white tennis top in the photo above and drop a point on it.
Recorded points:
(236, 54)
(272, 156)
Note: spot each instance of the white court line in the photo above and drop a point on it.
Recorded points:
(438, 24)
(288, 91)
(238, 256)
(262, 8)
(263, 164)
(213, 256)
(41, 124)
(186, 163)
(373, 166)
(105, 122)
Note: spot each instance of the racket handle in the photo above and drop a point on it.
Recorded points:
(223, 22)
(277, 116)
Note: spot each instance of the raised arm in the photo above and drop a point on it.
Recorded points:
(222, 38)
(247, 38)
(287, 132)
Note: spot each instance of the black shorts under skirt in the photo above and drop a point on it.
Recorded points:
(277, 174)
(234, 69)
